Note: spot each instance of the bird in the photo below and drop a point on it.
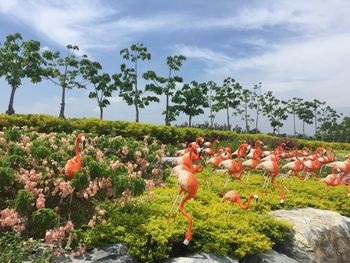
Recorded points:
(186, 159)
(234, 168)
(295, 167)
(74, 165)
(332, 179)
(272, 168)
(257, 148)
(233, 197)
(210, 151)
(222, 154)
(313, 165)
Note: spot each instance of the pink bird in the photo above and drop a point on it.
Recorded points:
(233, 197)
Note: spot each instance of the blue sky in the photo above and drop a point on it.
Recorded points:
(295, 48)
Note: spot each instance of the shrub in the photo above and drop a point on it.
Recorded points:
(41, 220)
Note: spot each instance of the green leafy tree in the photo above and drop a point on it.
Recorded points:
(63, 72)
(345, 129)
(316, 105)
(212, 87)
(128, 78)
(328, 118)
(305, 113)
(103, 84)
(190, 100)
(227, 97)
(292, 108)
(255, 103)
(274, 110)
(18, 60)
(165, 85)
(246, 103)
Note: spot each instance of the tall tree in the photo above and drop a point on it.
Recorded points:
(246, 103)
(212, 87)
(256, 100)
(274, 110)
(18, 60)
(292, 108)
(63, 72)
(191, 100)
(103, 84)
(227, 97)
(305, 113)
(316, 105)
(165, 85)
(328, 119)
(128, 78)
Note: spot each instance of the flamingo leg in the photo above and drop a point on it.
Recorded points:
(278, 187)
(176, 199)
(188, 235)
(226, 182)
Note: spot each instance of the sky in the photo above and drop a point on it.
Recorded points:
(295, 48)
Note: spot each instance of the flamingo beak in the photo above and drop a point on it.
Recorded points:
(222, 199)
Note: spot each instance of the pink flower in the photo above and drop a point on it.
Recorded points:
(155, 171)
(149, 185)
(138, 154)
(40, 202)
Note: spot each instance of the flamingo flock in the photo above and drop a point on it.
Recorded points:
(300, 163)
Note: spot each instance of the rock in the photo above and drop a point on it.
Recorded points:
(168, 160)
(116, 253)
(318, 235)
(202, 257)
(269, 257)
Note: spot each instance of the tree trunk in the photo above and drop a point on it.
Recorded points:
(295, 132)
(137, 111)
(228, 117)
(101, 113)
(315, 122)
(257, 120)
(189, 121)
(304, 129)
(63, 102)
(136, 94)
(167, 122)
(246, 118)
(10, 110)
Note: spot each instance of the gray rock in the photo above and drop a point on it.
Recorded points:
(116, 253)
(202, 258)
(168, 160)
(318, 235)
(269, 257)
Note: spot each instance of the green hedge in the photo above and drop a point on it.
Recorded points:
(166, 134)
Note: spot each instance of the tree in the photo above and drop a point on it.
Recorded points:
(212, 86)
(190, 100)
(127, 79)
(292, 107)
(63, 72)
(165, 85)
(274, 110)
(328, 118)
(256, 100)
(227, 97)
(315, 105)
(246, 103)
(102, 83)
(305, 113)
(19, 59)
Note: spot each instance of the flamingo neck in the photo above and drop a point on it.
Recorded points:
(246, 205)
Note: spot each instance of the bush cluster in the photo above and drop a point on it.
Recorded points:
(165, 134)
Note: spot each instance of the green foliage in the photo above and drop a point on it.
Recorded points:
(6, 177)
(137, 186)
(41, 220)
(13, 249)
(190, 100)
(23, 201)
(119, 183)
(40, 150)
(165, 134)
(12, 134)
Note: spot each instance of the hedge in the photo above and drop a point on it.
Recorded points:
(165, 134)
